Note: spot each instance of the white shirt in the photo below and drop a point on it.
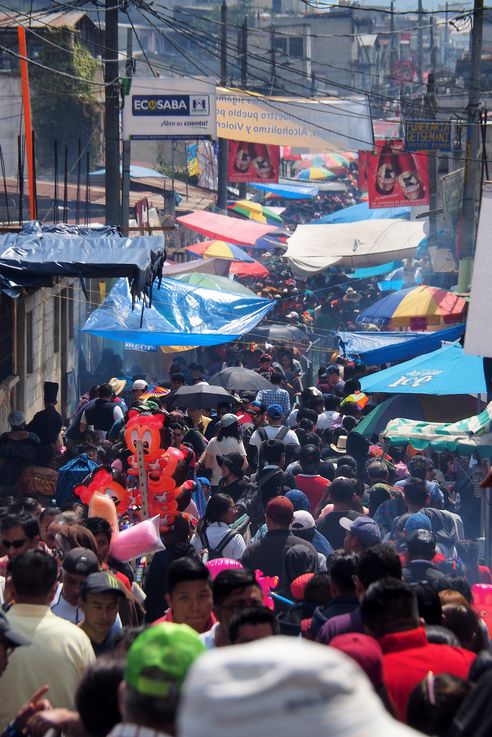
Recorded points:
(62, 608)
(216, 532)
(219, 448)
(327, 419)
(208, 637)
(290, 438)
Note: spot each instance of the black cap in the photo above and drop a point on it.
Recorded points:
(232, 461)
(14, 639)
(81, 561)
(101, 582)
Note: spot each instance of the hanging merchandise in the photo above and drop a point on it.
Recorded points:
(396, 177)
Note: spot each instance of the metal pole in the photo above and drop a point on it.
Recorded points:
(420, 41)
(244, 81)
(223, 145)
(432, 156)
(112, 114)
(127, 146)
(472, 163)
(446, 38)
(392, 46)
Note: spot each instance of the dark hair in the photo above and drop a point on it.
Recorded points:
(28, 522)
(455, 583)
(342, 490)
(331, 402)
(231, 580)
(465, 623)
(217, 506)
(431, 709)
(272, 451)
(252, 615)
(34, 573)
(419, 467)
(105, 391)
(349, 409)
(439, 635)
(468, 553)
(29, 505)
(377, 562)
(389, 604)
(415, 491)
(342, 571)
(348, 423)
(317, 590)
(49, 512)
(96, 698)
(377, 495)
(429, 603)
(482, 664)
(98, 526)
(421, 545)
(76, 536)
(178, 377)
(377, 471)
(347, 460)
(187, 569)
(327, 470)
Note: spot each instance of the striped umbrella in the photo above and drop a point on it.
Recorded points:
(257, 212)
(416, 308)
(154, 391)
(316, 174)
(211, 281)
(220, 249)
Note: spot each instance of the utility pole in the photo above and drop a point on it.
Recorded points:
(127, 145)
(472, 163)
(446, 38)
(223, 145)
(111, 114)
(432, 159)
(244, 80)
(392, 46)
(420, 41)
(273, 59)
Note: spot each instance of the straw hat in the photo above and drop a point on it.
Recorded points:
(341, 446)
(117, 385)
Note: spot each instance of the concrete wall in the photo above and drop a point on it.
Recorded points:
(10, 118)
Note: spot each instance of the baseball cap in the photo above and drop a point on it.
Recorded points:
(265, 357)
(302, 521)
(298, 585)
(81, 561)
(228, 420)
(280, 509)
(293, 313)
(14, 639)
(275, 411)
(16, 418)
(140, 385)
(365, 529)
(159, 659)
(274, 685)
(101, 582)
(254, 408)
(365, 650)
(417, 521)
(332, 370)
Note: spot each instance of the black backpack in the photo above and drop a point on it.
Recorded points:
(211, 553)
(251, 500)
(443, 530)
(289, 447)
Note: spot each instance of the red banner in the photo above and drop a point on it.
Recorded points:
(396, 177)
(253, 162)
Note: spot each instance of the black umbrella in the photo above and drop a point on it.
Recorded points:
(282, 333)
(201, 396)
(240, 379)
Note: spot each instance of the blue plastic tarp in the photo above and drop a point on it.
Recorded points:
(388, 347)
(449, 370)
(180, 315)
(370, 271)
(289, 191)
(362, 211)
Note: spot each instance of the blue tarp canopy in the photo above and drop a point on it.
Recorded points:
(289, 191)
(354, 213)
(377, 348)
(39, 252)
(369, 271)
(180, 315)
(448, 370)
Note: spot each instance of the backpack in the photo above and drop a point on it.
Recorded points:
(251, 500)
(210, 553)
(443, 530)
(279, 436)
(70, 475)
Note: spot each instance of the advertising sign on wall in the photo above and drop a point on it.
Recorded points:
(396, 177)
(253, 162)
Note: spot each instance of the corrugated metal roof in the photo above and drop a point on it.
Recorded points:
(43, 20)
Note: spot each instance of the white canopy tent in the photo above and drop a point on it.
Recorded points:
(313, 248)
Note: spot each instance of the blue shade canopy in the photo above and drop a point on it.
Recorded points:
(363, 212)
(180, 315)
(136, 172)
(368, 272)
(448, 370)
(288, 191)
(377, 348)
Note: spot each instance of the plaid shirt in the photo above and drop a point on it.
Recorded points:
(275, 396)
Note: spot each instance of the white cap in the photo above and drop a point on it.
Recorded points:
(302, 521)
(282, 686)
(140, 385)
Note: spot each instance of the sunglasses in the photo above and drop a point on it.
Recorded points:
(14, 544)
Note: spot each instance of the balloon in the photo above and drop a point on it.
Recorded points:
(267, 583)
(482, 603)
(217, 565)
(101, 505)
(103, 482)
(140, 539)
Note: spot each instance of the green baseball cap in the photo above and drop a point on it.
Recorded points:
(160, 658)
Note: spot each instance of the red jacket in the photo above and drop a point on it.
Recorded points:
(408, 658)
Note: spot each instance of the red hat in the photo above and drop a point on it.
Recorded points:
(365, 651)
(280, 510)
(299, 584)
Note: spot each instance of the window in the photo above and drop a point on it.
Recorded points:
(29, 343)
(6, 337)
(296, 47)
(280, 44)
(56, 323)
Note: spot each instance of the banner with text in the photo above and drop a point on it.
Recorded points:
(253, 162)
(396, 177)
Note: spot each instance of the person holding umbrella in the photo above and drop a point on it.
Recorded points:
(228, 440)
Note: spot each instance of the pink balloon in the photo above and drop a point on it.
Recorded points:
(266, 583)
(222, 564)
(482, 603)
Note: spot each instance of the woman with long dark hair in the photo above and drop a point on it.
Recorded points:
(228, 440)
(214, 532)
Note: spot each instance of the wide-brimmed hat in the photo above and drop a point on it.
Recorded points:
(117, 385)
(351, 295)
(341, 446)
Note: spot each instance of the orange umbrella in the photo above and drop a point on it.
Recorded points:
(257, 270)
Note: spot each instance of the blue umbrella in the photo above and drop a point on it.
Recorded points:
(448, 370)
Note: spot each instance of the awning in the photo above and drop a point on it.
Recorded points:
(374, 348)
(313, 248)
(180, 315)
(448, 370)
(362, 211)
(371, 271)
(72, 251)
(201, 265)
(224, 228)
(288, 191)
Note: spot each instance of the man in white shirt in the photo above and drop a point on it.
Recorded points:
(59, 651)
(77, 565)
(274, 415)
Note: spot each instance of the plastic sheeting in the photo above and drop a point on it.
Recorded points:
(89, 253)
(313, 248)
(180, 315)
(448, 370)
(224, 228)
(377, 348)
(362, 211)
(288, 191)
(371, 271)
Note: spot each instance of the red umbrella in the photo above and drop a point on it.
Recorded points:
(255, 269)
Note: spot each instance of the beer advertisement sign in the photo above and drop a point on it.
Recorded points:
(253, 162)
(396, 177)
